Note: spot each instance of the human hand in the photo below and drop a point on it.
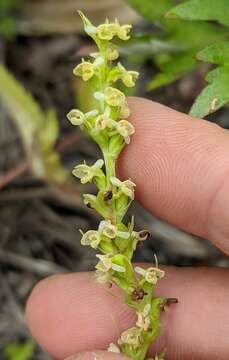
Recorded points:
(181, 167)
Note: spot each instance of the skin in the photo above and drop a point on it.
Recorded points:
(181, 168)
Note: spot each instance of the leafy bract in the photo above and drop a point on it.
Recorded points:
(217, 10)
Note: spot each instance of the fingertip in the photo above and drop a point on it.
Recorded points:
(97, 355)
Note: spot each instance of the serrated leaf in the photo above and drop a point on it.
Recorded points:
(217, 10)
(215, 54)
(215, 95)
(19, 351)
(151, 9)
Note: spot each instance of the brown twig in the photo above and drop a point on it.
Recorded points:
(13, 174)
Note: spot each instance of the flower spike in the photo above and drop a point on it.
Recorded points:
(108, 124)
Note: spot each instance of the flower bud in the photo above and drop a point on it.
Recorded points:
(125, 129)
(85, 70)
(114, 97)
(112, 52)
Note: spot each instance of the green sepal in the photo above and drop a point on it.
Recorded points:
(123, 279)
(115, 145)
(122, 204)
(97, 203)
(106, 246)
(100, 181)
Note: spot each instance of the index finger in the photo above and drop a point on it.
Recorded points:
(181, 166)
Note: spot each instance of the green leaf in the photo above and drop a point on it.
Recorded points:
(24, 110)
(151, 9)
(172, 68)
(19, 351)
(215, 95)
(50, 130)
(215, 54)
(217, 10)
(38, 130)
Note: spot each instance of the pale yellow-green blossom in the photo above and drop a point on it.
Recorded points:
(76, 117)
(124, 111)
(112, 52)
(85, 69)
(131, 337)
(125, 129)
(111, 231)
(86, 173)
(92, 238)
(128, 78)
(114, 97)
(104, 121)
(126, 187)
(143, 320)
(151, 275)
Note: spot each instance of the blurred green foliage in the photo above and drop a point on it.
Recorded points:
(38, 129)
(184, 30)
(8, 26)
(19, 351)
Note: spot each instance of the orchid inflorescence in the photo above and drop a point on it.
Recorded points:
(116, 242)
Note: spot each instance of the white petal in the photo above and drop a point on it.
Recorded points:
(98, 164)
(118, 268)
(91, 113)
(99, 61)
(139, 270)
(123, 234)
(99, 96)
(115, 181)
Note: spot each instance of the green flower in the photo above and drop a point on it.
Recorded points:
(86, 70)
(104, 121)
(124, 111)
(91, 238)
(151, 275)
(111, 231)
(112, 52)
(86, 173)
(125, 129)
(131, 337)
(143, 321)
(106, 31)
(114, 97)
(125, 187)
(76, 117)
(104, 267)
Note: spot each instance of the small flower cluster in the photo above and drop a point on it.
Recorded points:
(116, 242)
